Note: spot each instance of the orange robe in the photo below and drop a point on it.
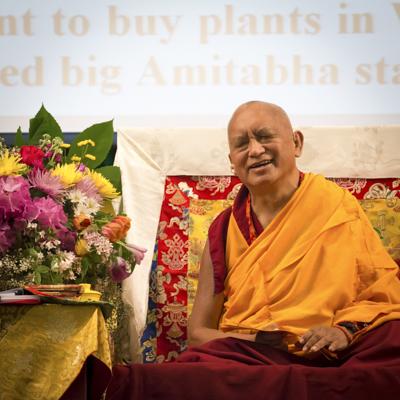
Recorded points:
(318, 263)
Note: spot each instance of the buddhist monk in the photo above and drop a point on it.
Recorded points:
(297, 297)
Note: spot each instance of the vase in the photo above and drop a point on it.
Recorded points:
(88, 294)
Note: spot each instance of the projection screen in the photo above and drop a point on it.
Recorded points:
(189, 63)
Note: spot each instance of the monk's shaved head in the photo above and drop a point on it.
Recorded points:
(267, 107)
(269, 110)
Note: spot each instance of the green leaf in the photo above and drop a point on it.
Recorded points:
(94, 258)
(31, 252)
(42, 123)
(113, 174)
(37, 278)
(56, 279)
(84, 266)
(42, 269)
(54, 264)
(108, 209)
(102, 135)
(19, 139)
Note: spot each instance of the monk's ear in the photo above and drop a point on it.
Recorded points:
(232, 167)
(298, 140)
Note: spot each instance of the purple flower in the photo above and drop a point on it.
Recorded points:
(81, 167)
(67, 239)
(14, 196)
(46, 182)
(7, 238)
(137, 251)
(51, 214)
(119, 270)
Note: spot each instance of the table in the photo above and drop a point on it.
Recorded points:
(43, 349)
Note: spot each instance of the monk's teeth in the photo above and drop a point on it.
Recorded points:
(261, 164)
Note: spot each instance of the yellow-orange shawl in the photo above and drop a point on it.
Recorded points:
(319, 262)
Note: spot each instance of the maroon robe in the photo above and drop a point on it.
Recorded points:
(237, 369)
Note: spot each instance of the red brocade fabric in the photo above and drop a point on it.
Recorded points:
(236, 369)
(170, 293)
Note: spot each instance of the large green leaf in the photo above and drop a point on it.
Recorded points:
(42, 123)
(102, 135)
(19, 139)
(113, 174)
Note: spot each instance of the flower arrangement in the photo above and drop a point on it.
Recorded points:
(57, 221)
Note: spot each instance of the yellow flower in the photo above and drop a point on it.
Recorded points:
(65, 145)
(75, 158)
(90, 157)
(103, 185)
(85, 142)
(68, 173)
(10, 164)
(81, 247)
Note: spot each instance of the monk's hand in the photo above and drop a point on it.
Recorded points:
(317, 338)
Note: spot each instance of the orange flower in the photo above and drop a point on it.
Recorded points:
(81, 221)
(117, 228)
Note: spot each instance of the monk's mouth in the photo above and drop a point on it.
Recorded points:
(261, 164)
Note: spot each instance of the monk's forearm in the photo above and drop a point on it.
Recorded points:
(200, 336)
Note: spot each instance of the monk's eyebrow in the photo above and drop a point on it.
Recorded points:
(242, 137)
(264, 132)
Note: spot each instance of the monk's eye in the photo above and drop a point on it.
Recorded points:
(241, 143)
(264, 138)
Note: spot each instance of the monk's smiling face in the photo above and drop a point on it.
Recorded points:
(262, 144)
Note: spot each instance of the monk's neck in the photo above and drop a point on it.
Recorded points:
(268, 203)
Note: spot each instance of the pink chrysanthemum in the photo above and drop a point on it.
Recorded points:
(46, 182)
(89, 189)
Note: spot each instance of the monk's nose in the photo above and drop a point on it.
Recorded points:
(255, 148)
